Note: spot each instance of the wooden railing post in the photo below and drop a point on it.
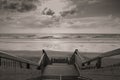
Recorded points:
(99, 62)
(0, 61)
(44, 61)
(20, 65)
(88, 63)
(83, 64)
(72, 59)
(28, 66)
(46, 58)
(60, 77)
(4, 63)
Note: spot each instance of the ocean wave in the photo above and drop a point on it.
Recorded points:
(58, 36)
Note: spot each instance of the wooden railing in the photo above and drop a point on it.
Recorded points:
(44, 61)
(19, 67)
(82, 62)
(77, 60)
(98, 60)
(86, 67)
(8, 60)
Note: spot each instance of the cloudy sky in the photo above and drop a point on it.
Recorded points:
(69, 16)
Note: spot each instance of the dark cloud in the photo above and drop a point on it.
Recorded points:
(18, 5)
(48, 11)
(69, 12)
(97, 7)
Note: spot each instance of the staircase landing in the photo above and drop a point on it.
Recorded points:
(60, 69)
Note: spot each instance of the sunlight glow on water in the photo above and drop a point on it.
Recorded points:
(60, 42)
(59, 46)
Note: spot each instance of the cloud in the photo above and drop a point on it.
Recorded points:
(58, 7)
(89, 8)
(90, 23)
(73, 23)
(34, 21)
(93, 1)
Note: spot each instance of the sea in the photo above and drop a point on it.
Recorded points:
(60, 42)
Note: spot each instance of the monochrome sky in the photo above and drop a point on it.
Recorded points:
(70, 16)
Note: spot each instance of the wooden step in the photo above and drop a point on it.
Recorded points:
(60, 69)
(49, 77)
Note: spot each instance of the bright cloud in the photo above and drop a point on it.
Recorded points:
(58, 6)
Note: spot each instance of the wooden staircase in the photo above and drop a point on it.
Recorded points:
(59, 69)
(74, 67)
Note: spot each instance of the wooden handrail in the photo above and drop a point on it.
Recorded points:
(111, 53)
(72, 59)
(77, 53)
(81, 56)
(40, 61)
(44, 60)
(106, 54)
(8, 56)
